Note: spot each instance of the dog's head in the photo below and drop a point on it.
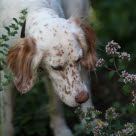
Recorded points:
(61, 49)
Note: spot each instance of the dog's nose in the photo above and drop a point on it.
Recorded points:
(82, 97)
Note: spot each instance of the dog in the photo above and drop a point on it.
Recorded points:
(60, 45)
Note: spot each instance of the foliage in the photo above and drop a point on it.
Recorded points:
(32, 115)
(112, 124)
(11, 30)
(114, 20)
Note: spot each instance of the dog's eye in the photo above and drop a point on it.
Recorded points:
(57, 68)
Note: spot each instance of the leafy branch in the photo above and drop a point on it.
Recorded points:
(11, 31)
(108, 127)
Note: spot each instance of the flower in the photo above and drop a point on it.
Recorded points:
(128, 77)
(134, 98)
(111, 48)
(125, 55)
(98, 131)
(100, 123)
(111, 114)
(129, 130)
(100, 62)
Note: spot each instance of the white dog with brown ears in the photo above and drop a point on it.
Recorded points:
(63, 48)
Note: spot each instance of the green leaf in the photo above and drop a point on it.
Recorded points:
(14, 26)
(15, 20)
(7, 28)
(24, 12)
(120, 61)
(13, 33)
(111, 60)
(120, 80)
(111, 74)
(6, 76)
(131, 109)
(116, 105)
(22, 18)
(106, 66)
(126, 89)
(5, 38)
(1, 52)
(6, 50)
(122, 67)
(5, 45)
(5, 84)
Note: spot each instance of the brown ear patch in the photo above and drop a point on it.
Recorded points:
(89, 60)
(19, 60)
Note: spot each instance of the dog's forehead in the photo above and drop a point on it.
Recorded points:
(60, 43)
(61, 53)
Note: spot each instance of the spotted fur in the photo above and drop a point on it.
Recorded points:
(61, 47)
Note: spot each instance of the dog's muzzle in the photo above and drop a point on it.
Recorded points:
(82, 97)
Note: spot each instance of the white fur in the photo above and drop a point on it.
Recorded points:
(52, 34)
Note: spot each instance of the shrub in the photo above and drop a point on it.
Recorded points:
(111, 124)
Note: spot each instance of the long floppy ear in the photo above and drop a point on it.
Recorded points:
(20, 60)
(89, 60)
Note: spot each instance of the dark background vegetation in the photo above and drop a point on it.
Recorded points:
(112, 20)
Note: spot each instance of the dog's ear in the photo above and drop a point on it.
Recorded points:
(89, 60)
(20, 60)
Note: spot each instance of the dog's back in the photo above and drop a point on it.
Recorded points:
(11, 9)
(64, 8)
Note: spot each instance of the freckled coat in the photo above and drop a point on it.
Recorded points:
(62, 47)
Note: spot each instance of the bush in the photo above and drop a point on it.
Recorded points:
(111, 123)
